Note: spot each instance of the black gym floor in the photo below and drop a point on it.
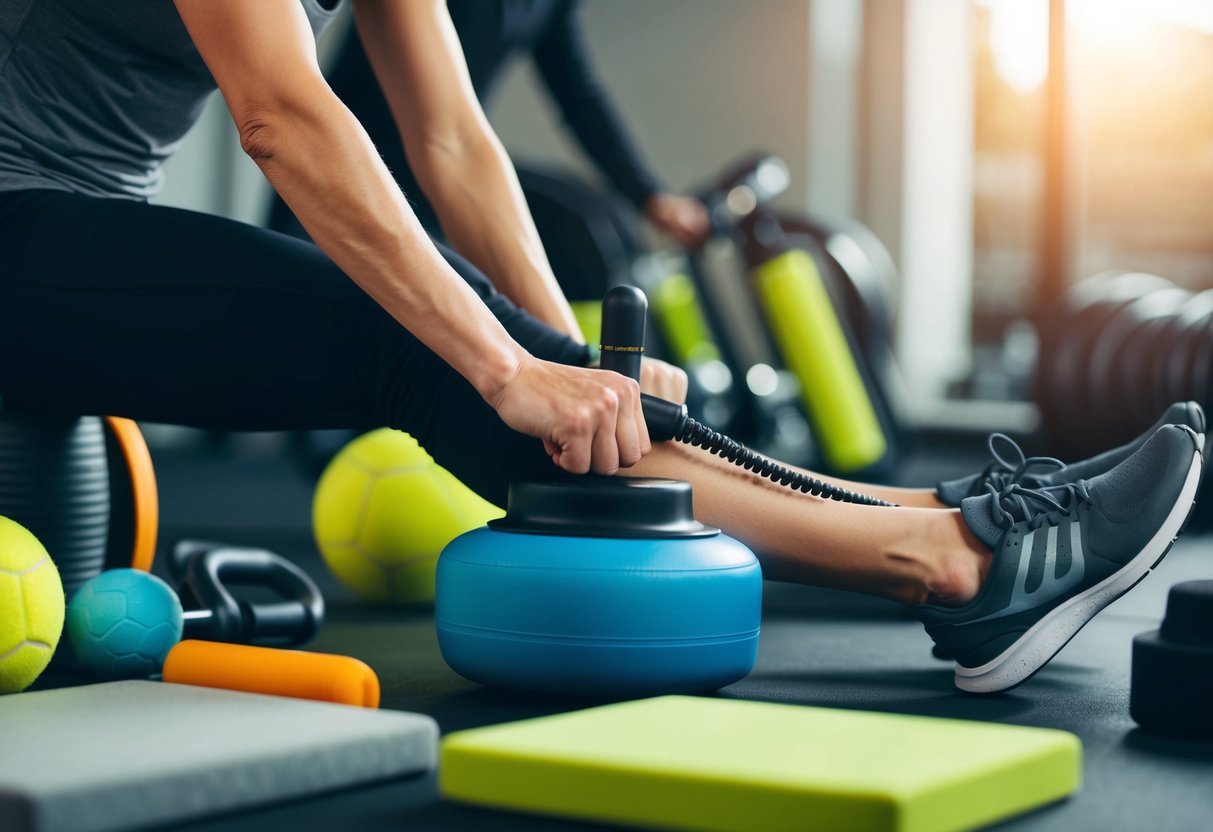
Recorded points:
(819, 647)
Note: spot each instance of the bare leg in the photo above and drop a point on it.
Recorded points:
(908, 554)
(908, 497)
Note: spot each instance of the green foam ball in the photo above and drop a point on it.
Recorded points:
(31, 607)
(384, 510)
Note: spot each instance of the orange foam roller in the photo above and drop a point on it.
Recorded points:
(269, 670)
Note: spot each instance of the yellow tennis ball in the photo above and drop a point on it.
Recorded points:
(31, 607)
(384, 510)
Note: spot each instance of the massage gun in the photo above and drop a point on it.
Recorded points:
(623, 317)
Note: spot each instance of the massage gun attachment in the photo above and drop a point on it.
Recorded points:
(624, 310)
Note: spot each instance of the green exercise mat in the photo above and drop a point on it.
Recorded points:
(130, 754)
(680, 762)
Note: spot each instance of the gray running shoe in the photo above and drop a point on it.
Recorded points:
(1032, 472)
(1061, 555)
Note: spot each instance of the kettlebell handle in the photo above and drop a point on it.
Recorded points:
(214, 613)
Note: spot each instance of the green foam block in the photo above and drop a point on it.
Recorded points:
(680, 762)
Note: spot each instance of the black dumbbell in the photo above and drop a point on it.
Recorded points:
(1172, 683)
(1174, 360)
(1069, 329)
(205, 573)
(1201, 378)
(1120, 381)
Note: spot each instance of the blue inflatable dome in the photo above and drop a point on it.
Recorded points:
(599, 587)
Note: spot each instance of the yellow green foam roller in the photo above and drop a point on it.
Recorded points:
(589, 317)
(677, 312)
(814, 347)
(681, 762)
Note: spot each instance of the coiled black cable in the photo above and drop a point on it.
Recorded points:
(623, 320)
(691, 432)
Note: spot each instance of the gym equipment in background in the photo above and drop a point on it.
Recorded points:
(765, 399)
(382, 512)
(1115, 349)
(716, 764)
(84, 486)
(322, 677)
(122, 623)
(861, 277)
(1172, 680)
(162, 754)
(789, 313)
(813, 345)
(31, 607)
(206, 575)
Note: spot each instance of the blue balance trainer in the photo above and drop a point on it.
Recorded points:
(599, 586)
(602, 586)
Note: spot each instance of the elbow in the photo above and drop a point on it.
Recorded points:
(284, 121)
(259, 130)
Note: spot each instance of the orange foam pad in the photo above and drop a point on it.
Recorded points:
(320, 676)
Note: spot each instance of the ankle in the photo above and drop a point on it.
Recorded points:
(962, 564)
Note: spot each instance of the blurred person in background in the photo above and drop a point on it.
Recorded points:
(492, 34)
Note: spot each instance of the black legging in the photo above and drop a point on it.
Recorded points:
(112, 306)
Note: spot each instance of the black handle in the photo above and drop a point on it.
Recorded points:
(624, 310)
(623, 314)
(208, 570)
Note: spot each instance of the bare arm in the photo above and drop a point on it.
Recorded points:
(319, 159)
(457, 158)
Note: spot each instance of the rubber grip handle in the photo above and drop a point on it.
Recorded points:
(664, 419)
(323, 677)
(624, 309)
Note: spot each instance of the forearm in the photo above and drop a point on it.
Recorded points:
(321, 162)
(564, 62)
(475, 192)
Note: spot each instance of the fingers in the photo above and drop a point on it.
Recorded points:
(608, 432)
(575, 452)
(679, 384)
(631, 435)
(606, 445)
(587, 419)
(642, 428)
(657, 378)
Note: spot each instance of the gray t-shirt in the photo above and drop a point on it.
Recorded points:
(96, 94)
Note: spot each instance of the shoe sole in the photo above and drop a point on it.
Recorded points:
(1035, 648)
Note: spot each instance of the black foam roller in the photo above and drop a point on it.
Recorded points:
(54, 480)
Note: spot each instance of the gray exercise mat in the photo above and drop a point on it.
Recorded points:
(123, 754)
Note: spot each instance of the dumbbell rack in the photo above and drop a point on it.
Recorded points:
(1115, 350)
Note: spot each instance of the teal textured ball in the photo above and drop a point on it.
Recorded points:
(122, 624)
